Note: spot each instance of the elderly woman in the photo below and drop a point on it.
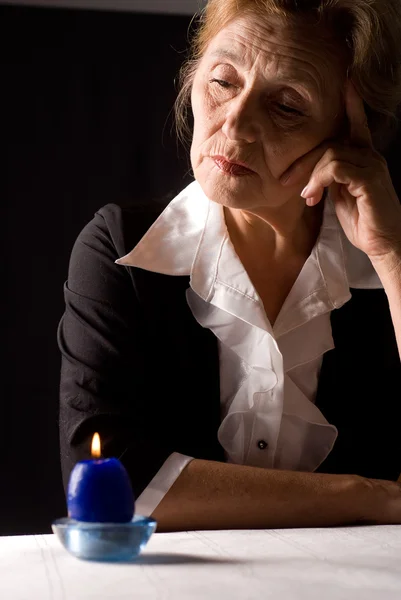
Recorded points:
(239, 351)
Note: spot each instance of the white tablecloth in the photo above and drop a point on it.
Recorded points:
(305, 564)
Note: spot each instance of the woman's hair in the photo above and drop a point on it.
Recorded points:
(366, 32)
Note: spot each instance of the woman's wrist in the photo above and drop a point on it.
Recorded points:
(388, 266)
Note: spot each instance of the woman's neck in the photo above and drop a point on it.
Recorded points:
(273, 246)
(273, 234)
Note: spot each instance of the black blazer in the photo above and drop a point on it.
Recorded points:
(138, 368)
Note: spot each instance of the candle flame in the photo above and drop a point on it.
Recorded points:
(96, 447)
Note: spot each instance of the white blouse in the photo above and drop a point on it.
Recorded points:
(268, 375)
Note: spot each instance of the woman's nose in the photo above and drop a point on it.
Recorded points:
(241, 121)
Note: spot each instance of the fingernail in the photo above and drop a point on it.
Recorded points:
(305, 191)
(309, 201)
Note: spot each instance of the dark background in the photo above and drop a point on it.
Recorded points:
(85, 105)
(85, 102)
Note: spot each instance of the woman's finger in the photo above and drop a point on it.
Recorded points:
(335, 172)
(319, 157)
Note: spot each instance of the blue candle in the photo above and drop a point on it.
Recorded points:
(99, 490)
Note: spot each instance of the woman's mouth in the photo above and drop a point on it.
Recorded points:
(231, 168)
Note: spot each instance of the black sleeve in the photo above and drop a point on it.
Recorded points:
(101, 337)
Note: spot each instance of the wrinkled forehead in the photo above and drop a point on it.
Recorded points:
(289, 51)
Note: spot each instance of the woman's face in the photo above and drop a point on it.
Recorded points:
(262, 98)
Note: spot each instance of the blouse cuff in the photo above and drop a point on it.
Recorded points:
(154, 493)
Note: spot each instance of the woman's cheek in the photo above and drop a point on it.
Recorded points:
(282, 152)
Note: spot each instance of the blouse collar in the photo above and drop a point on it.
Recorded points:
(190, 238)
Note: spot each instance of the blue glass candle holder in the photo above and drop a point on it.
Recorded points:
(107, 542)
(101, 504)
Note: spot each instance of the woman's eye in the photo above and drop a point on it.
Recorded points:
(221, 83)
(289, 110)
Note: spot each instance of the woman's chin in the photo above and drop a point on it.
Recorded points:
(235, 192)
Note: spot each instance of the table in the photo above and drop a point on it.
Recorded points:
(304, 564)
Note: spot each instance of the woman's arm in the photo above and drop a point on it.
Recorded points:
(367, 205)
(213, 495)
(102, 339)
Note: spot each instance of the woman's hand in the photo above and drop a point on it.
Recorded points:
(365, 200)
